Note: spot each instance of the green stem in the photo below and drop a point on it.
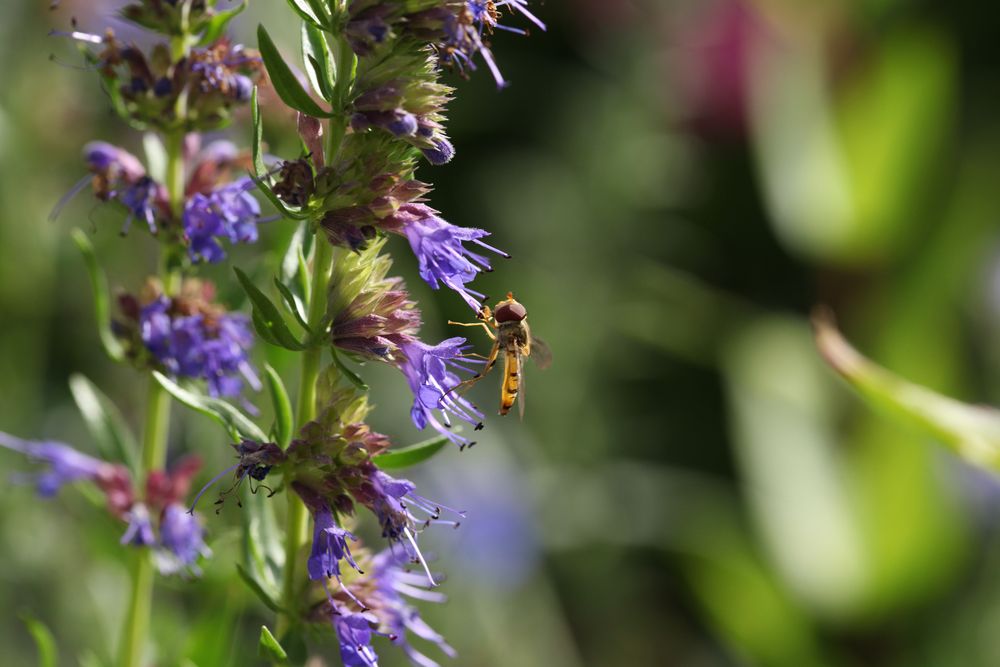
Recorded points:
(154, 440)
(298, 518)
(297, 528)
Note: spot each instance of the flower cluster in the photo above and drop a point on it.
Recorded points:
(194, 92)
(457, 29)
(159, 520)
(189, 336)
(377, 320)
(216, 206)
(379, 604)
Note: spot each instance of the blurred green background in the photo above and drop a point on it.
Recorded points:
(679, 184)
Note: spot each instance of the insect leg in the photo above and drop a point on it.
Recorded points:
(490, 363)
(485, 327)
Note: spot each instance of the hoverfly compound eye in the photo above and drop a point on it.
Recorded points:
(510, 312)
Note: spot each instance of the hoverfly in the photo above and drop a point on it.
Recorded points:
(513, 337)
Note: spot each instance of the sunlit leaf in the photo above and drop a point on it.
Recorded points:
(237, 424)
(104, 421)
(972, 431)
(257, 589)
(102, 299)
(285, 83)
(216, 26)
(293, 303)
(354, 378)
(268, 315)
(44, 641)
(318, 61)
(156, 156)
(408, 456)
(256, 144)
(269, 647)
(283, 416)
(306, 12)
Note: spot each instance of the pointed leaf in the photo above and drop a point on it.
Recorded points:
(217, 24)
(260, 326)
(305, 12)
(102, 300)
(156, 156)
(294, 306)
(256, 149)
(263, 551)
(284, 421)
(286, 84)
(269, 647)
(408, 456)
(44, 641)
(351, 375)
(290, 261)
(269, 315)
(237, 424)
(104, 421)
(257, 589)
(318, 61)
(972, 431)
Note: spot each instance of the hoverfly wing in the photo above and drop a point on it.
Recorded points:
(540, 353)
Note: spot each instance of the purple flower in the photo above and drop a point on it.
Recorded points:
(442, 153)
(182, 541)
(396, 615)
(65, 464)
(229, 212)
(212, 347)
(464, 33)
(428, 370)
(139, 532)
(355, 635)
(393, 501)
(438, 246)
(329, 547)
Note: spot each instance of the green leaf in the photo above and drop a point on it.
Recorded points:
(102, 299)
(156, 156)
(269, 647)
(351, 375)
(319, 9)
(412, 455)
(972, 431)
(268, 315)
(257, 589)
(285, 83)
(217, 24)
(306, 12)
(237, 424)
(293, 304)
(260, 326)
(290, 261)
(259, 168)
(283, 419)
(318, 61)
(277, 203)
(44, 641)
(104, 421)
(90, 659)
(263, 550)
